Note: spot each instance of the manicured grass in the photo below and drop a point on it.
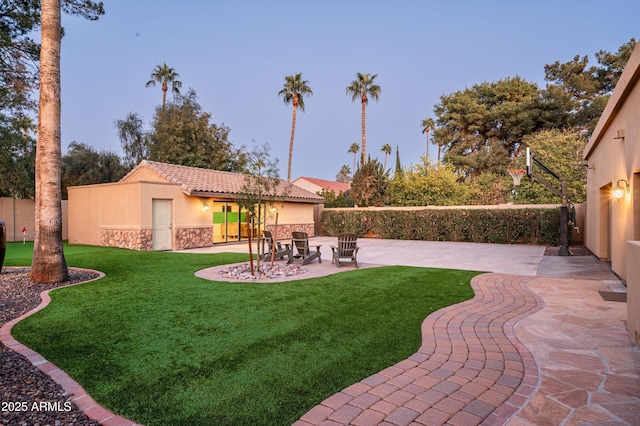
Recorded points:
(154, 343)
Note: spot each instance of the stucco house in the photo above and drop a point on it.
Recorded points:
(315, 185)
(159, 206)
(612, 158)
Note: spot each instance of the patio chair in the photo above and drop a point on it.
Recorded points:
(300, 245)
(347, 248)
(280, 251)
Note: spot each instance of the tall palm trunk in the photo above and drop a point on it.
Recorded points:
(293, 132)
(48, 264)
(364, 131)
(164, 93)
(427, 152)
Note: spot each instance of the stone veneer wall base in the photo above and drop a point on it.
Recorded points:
(130, 239)
(284, 231)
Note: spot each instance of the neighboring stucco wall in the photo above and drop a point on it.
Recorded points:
(18, 214)
(612, 154)
(633, 291)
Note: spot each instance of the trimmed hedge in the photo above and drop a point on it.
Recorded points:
(504, 226)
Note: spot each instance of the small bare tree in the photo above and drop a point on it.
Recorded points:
(261, 189)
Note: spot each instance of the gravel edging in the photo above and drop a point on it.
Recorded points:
(28, 395)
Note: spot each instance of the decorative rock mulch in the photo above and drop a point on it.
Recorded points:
(265, 272)
(29, 396)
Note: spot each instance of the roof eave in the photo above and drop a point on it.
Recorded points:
(227, 195)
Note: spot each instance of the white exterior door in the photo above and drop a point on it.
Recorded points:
(161, 235)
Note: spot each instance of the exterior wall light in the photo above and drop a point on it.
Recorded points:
(618, 191)
(205, 206)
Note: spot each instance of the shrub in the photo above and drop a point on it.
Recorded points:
(524, 226)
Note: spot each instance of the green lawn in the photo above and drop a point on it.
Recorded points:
(153, 343)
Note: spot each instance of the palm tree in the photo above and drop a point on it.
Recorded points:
(428, 124)
(386, 148)
(293, 91)
(344, 171)
(165, 75)
(359, 89)
(354, 148)
(48, 264)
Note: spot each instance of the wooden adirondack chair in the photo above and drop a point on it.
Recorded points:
(280, 251)
(347, 248)
(301, 249)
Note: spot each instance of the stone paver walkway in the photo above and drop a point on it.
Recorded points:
(589, 366)
(470, 368)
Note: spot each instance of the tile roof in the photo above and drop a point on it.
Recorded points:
(336, 187)
(206, 182)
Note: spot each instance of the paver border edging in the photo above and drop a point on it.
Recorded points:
(80, 397)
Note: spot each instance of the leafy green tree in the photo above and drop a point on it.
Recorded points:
(165, 75)
(427, 124)
(369, 184)
(584, 90)
(425, 185)
(183, 134)
(331, 199)
(361, 89)
(17, 157)
(354, 148)
(612, 64)
(82, 165)
(489, 189)
(293, 92)
(20, 53)
(134, 140)
(481, 127)
(561, 152)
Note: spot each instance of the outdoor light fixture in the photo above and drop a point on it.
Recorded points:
(205, 206)
(618, 191)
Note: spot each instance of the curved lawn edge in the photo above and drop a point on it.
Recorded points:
(80, 397)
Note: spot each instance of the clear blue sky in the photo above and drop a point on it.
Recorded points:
(235, 55)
